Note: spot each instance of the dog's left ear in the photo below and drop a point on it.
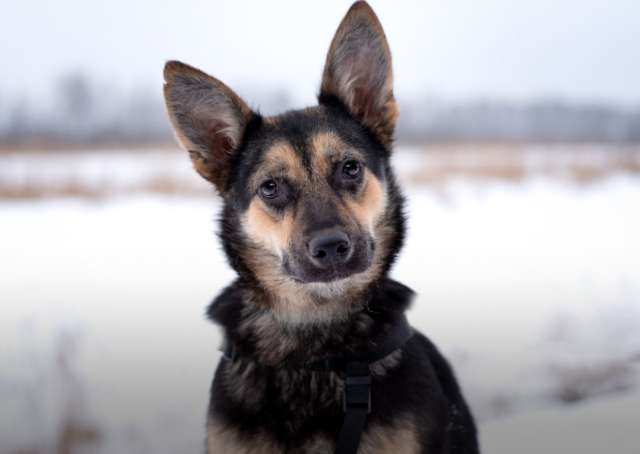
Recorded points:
(358, 72)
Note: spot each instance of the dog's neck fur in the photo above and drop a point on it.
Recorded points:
(247, 316)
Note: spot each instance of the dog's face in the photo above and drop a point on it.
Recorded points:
(311, 192)
(310, 201)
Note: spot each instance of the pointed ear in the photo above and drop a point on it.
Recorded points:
(358, 72)
(208, 117)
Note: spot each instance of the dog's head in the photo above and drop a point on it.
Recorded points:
(310, 204)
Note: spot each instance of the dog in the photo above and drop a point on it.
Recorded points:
(318, 355)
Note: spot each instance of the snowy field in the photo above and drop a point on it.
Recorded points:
(528, 278)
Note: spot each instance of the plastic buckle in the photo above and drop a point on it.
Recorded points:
(357, 392)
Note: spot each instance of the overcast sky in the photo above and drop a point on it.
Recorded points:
(583, 50)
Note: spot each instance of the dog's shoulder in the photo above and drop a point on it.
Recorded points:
(224, 308)
(461, 426)
(391, 296)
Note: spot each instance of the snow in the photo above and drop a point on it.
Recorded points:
(498, 267)
(520, 284)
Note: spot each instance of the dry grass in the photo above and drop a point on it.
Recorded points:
(74, 437)
(161, 185)
(516, 163)
(76, 433)
(577, 382)
(435, 166)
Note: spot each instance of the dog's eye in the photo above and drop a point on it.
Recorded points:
(351, 169)
(269, 189)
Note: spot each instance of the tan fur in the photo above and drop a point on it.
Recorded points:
(224, 440)
(264, 227)
(380, 368)
(369, 204)
(304, 304)
(271, 121)
(296, 303)
(275, 340)
(200, 164)
(274, 343)
(401, 438)
(271, 232)
(280, 160)
(326, 147)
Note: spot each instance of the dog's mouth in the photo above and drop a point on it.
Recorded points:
(323, 276)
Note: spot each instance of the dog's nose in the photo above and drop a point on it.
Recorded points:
(330, 248)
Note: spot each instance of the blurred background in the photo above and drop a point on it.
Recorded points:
(518, 146)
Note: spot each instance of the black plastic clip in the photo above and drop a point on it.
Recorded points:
(357, 387)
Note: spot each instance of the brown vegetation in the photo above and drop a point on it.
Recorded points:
(577, 164)
(433, 166)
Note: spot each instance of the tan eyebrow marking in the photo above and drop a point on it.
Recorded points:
(327, 148)
(280, 159)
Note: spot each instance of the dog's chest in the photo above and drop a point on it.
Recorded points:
(312, 399)
(295, 396)
(401, 438)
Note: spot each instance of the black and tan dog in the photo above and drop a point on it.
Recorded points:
(312, 222)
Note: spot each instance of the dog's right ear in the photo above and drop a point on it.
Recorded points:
(208, 117)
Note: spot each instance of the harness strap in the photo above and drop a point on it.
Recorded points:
(356, 403)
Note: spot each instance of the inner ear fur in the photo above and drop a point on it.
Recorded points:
(209, 119)
(358, 72)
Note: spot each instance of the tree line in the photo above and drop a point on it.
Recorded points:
(85, 112)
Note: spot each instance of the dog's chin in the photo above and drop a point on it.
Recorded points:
(329, 277)
(320, 278)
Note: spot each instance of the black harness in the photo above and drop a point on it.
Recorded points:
(356, 370)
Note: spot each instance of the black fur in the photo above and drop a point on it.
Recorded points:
(283, 402)
(286, 405)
